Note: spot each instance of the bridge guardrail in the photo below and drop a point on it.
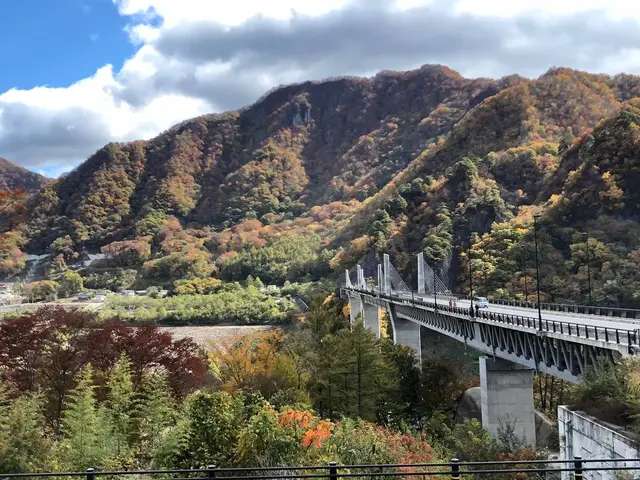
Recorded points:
(566, 308)
(593, 332)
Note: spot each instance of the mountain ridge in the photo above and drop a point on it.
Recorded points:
(13, 176)
(399, 162)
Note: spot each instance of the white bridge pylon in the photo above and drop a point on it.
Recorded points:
(389, 279)
(362, 284)
(347, 279)
(428, 282)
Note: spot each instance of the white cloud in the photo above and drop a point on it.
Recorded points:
(61, 126)
(174, 12)
(198, 56)
(507, 8)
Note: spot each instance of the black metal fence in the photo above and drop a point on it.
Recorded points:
(576, 468)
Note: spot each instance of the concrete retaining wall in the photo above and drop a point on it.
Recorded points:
(582, 435)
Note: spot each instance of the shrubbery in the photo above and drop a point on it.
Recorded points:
(231, 304)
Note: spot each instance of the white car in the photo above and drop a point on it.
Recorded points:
(482, 302)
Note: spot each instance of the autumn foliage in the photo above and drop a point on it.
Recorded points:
(314, 178)
(45, 350)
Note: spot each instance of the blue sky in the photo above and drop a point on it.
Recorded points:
(57, 42)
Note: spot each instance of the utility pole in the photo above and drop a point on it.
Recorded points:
(484, 276)
(535, 239)
(470, 274)
(586, 235)
(526, 282)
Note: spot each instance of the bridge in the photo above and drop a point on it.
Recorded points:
(518, 337)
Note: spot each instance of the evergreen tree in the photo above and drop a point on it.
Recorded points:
(208, 433)
(213, 426)
(409, 403)
(154, 411)
(23, 445)
(119, 403)
(258, 283)
(360, 379)
(324, 318)
(85, 428)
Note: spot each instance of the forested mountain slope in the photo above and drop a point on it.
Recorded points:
(315, 176)
(299, 146)
(13, 177)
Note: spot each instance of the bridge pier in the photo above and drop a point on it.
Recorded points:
(356, 307)
(371, 318)
(507, 398)
(407, 333)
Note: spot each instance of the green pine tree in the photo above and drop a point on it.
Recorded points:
(119, 404)
(213, 423)
(23, 444)
(85, 428)
(154, 412)
(360, 379)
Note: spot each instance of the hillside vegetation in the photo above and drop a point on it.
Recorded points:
(79, 392)
(315, 177)
(14, 176)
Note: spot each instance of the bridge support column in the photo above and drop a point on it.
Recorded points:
(355, 308)
(407, 333)
(507, 398)
(371, 318)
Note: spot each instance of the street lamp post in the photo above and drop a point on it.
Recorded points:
(470, 274)
(484, 276)
(526, 282)
(535, 239)
(586, 235)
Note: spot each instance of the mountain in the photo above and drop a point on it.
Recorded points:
(299, 146)
(589, 230)
(315, 176)
(13, 177)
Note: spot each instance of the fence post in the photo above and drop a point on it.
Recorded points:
(455, 469)
(91, 474)
(577, 467)
(211, 471)
(333, 471)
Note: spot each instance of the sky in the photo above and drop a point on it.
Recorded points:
(77, 74)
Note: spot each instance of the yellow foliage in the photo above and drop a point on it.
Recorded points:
(612, 193)
(241, 362)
